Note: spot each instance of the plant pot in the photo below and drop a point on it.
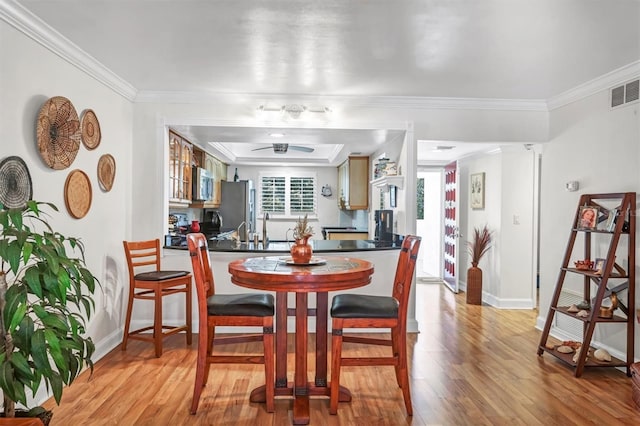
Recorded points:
(301, 251)
(21, 416)
(474, 285)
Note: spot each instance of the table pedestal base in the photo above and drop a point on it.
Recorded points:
(300, 400)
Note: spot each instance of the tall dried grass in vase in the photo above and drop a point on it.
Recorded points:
(479, 244)
(478, 247)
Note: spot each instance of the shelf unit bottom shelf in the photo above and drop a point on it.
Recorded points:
(591, 361)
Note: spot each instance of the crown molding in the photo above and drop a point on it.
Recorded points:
(604, 82)
(411, 102)
(35, 28)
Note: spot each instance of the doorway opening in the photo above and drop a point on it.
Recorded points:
(429, 224)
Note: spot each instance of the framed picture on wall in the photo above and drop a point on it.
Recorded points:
(477, 191)
(393, 196)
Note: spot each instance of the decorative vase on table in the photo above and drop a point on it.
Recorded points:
(301, 251)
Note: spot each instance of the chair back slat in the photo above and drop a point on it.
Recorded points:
(404, 272)
(142, 253)
(201, 263)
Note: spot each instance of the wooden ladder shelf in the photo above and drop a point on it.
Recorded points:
(615, 221)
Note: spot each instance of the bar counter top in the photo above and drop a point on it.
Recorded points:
(318, 246)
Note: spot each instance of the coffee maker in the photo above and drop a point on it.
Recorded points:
(383, 225)
(211, 223)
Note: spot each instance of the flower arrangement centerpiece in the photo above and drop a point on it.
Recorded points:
(302, 229)
(478, 247)
(301, 251)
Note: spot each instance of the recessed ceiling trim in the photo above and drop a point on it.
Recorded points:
(35, 28)
(414, 102)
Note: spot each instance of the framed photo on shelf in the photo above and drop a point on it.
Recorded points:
(588, 217)
(598, 266)
(477, 191)
(610, 223)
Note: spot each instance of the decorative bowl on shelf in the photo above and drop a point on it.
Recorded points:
(584, 265)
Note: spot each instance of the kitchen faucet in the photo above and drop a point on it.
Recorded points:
(265, 238)
(245, 231)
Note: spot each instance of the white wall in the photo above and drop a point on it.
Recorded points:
(508, 280)
(29, 75)
(599, 148)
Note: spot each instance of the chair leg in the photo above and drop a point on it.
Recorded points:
(127, 321)
(396, 352)
(404, 371)
(269, 373)
(211, 333)
(189, 318)
(336, 354)
(202, 368)
(157, 321)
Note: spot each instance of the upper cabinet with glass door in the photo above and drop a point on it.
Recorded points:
(180, 162)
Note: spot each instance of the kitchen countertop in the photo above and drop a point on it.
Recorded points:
(318, 246)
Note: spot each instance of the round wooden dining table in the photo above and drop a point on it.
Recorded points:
(321, 275)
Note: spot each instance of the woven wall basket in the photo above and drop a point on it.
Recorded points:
(106, 172)
(15, 183)
(91, 134)
(77, 194)
(58, 132)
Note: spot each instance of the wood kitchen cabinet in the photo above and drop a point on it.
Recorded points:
(353, 184)
(180, 162)
(218, 171)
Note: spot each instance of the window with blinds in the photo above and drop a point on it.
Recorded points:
(288, 195)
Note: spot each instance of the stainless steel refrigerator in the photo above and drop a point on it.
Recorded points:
(237, 205)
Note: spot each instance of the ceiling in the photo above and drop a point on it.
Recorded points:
(496, 49)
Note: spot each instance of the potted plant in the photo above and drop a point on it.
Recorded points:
(44, 290)
(477, 247)
(301, 251)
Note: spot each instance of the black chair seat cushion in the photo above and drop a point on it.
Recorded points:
(248, 304)
(159, 275)
(364, 306)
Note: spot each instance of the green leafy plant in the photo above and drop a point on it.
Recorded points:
(479, 244)
(302, 229)
(44, 289)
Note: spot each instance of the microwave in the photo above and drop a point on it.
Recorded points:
(202, 185)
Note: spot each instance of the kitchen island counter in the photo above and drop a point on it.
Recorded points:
(318, 246)
(384, 257)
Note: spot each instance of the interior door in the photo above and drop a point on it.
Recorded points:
(451, 233)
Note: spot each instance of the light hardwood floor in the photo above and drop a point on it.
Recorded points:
(470, 365)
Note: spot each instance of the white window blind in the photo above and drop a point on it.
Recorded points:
(302, 195)
(291, 195)
(273, 194)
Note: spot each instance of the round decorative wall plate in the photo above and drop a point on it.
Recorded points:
(58, 132)
(15, 183)
(106, 172)
(77, 193)
(91, 134)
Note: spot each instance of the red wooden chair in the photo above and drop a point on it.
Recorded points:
(147, 281)
(365, 311)
(244, 310)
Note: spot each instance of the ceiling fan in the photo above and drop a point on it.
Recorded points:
(282, 148)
